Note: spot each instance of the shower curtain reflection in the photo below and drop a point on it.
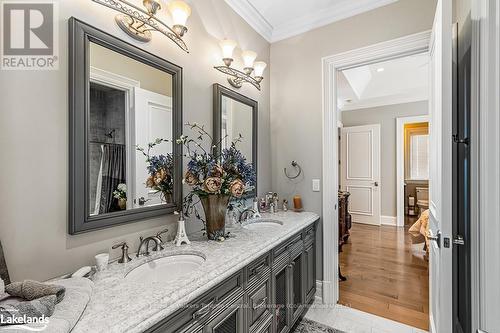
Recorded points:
(112, 173)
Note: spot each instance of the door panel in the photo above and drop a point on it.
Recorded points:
(440, 177)
(153, 119)
(360, 171)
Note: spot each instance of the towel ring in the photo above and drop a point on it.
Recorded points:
(296, 166)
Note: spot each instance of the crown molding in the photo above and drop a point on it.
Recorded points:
(321, 18)
(304, 23)
(253, 17)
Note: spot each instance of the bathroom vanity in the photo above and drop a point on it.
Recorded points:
(259, 280)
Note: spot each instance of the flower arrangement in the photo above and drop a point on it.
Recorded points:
(121, 195)
(215, 175)
(120, 192)
(160, 169)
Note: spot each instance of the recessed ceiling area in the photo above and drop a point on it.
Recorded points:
(279, 19)
(401, 80)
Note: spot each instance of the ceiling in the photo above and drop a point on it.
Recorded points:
(279, 19)
(395, 81)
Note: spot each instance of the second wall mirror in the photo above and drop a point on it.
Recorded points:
(235, 115)
(125, 115)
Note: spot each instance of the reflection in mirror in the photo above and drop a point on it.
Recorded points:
(130, 106)
(237, 120)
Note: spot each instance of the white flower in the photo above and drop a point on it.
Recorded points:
(122, 187)
(199, 158)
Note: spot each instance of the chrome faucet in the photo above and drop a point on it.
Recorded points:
(125, 257)
(246, 214)
(157, 243)
(250, 213)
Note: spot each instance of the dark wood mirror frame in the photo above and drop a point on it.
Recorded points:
(80, 36)
(218, 92)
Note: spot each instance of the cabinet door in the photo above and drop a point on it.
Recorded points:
(310, 271)
(297, 286)
(230, 320)
(282, 299)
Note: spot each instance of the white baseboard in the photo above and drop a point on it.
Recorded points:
(319, 291)
(389, 220)
(432, 324)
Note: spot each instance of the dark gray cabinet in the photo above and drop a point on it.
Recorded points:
(281, 286)
(297, 286)
(229, 320)
(267, 296)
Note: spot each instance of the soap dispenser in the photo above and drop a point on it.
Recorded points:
(181, 236)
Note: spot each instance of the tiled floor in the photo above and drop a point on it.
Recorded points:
(354, 321)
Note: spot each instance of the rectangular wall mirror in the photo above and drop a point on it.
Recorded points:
(125, 114)
(235, 115)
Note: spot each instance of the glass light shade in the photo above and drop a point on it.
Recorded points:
(227, 47)
(259, 67)
(248, 58)
(180, 12)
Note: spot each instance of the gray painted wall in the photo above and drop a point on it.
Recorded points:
(386, 117)
(34, 138)
(296, 95)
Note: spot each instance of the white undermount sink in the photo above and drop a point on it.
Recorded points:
(166, 269)
(263, 224)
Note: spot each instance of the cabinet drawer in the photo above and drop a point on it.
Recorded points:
(258, 304)
(286, 245)
(198, 311)
(228, 319)
(258, 270)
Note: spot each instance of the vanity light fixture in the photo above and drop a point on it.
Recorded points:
(236, 77)
(138, 22)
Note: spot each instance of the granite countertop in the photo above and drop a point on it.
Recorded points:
(123, 306)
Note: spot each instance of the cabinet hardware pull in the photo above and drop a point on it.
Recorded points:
(261, 304)
(205, 309)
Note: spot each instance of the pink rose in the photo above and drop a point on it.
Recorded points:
(237, 188)
(212, 184)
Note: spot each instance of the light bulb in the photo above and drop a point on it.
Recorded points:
(180, 12)
(227, 46)
(259, 67)
(248, 58)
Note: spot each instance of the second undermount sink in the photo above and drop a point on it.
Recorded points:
(263, 224)
(166, 269)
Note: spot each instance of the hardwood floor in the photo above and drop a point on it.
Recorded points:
(385, 276)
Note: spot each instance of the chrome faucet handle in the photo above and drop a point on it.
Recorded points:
(161, 232)
(125, 257)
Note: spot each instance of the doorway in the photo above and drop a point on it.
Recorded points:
(437, 44)
(385, 265)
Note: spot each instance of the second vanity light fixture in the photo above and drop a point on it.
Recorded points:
(236, 77)
(138, 22)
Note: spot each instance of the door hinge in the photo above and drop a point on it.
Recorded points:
(464, 141)
(458, 240)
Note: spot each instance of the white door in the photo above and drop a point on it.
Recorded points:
(360, 171)
(440, 167)
(153, 119)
